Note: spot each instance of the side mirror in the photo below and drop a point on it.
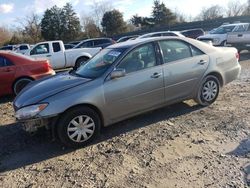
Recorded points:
(118, 73)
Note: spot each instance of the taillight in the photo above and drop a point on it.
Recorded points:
(237, 56)
(47, 66)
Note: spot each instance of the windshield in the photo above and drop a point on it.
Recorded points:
(99, 63)
(222, 30)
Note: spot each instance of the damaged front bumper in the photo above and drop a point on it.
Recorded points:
(32, 125)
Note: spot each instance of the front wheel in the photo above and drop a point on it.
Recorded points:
(20, 84)
(78, 126)
(208, 91)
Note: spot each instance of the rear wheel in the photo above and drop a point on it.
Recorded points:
(78, 126)
(20, 84)
(208, 91)
(81, 61)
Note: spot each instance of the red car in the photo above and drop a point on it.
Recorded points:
(16, 71)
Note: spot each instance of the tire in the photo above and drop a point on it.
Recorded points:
(20, 84)
(74, 134)
(80, 61)
(224, 43)
(208, 91)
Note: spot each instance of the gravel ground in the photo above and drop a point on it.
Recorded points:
(182, 145)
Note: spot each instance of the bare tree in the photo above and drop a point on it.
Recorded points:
(210, 13)
(30, 27)
(180, 17)
(235, 8)
(5, 36)
(98, 10)
(90, 28)
(247, 9)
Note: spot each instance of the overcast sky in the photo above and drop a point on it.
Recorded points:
(11, 10)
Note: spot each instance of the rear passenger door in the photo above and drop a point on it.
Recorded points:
(7, 75)
(184, 66)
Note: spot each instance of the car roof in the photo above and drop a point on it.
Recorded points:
(95, 39)
(132, 43)
(196, 29)
(234, 24)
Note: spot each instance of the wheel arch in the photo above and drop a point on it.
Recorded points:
(19, 78)
(218, 76)
(82, 56)
(91, 106)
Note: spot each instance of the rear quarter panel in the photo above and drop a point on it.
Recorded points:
(224, 62)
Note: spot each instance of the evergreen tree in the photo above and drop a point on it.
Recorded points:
(162, 15)
(51, 24)
(113, 23)
(71, 23)
(60, 24)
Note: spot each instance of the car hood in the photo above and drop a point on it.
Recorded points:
(42, 89)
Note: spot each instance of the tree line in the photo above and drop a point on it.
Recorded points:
(103, 20)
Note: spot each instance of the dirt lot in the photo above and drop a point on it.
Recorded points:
(183, 145)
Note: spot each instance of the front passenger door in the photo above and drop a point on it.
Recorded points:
(142, 88)
(41, 50)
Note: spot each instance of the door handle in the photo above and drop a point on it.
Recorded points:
(156, 75)
(202, 62)
(7, 70)
(48, 56)
(240, 35)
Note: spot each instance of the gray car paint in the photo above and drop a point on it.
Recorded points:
(138, 92)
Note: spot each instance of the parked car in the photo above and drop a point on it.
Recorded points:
(68, 46)
(218, 36)
(240, 40)
(95, 42)
(22, 48)
(193, 33)
(124, 80)
(60, 58)
(9, 47)
(162, 34)
(75, 42)
(131, 37)
(16, 71)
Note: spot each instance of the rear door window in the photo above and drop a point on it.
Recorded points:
(2, 62)
(56, 47)
(241, 28)
(5, 62)
(196, 51)
(174, 50)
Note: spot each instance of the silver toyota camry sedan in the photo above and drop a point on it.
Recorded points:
(125, 80)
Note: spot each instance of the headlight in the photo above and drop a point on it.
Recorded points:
(30, 111)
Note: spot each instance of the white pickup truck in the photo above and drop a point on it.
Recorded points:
(218, 36)
(239, 40)
(60, 58)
